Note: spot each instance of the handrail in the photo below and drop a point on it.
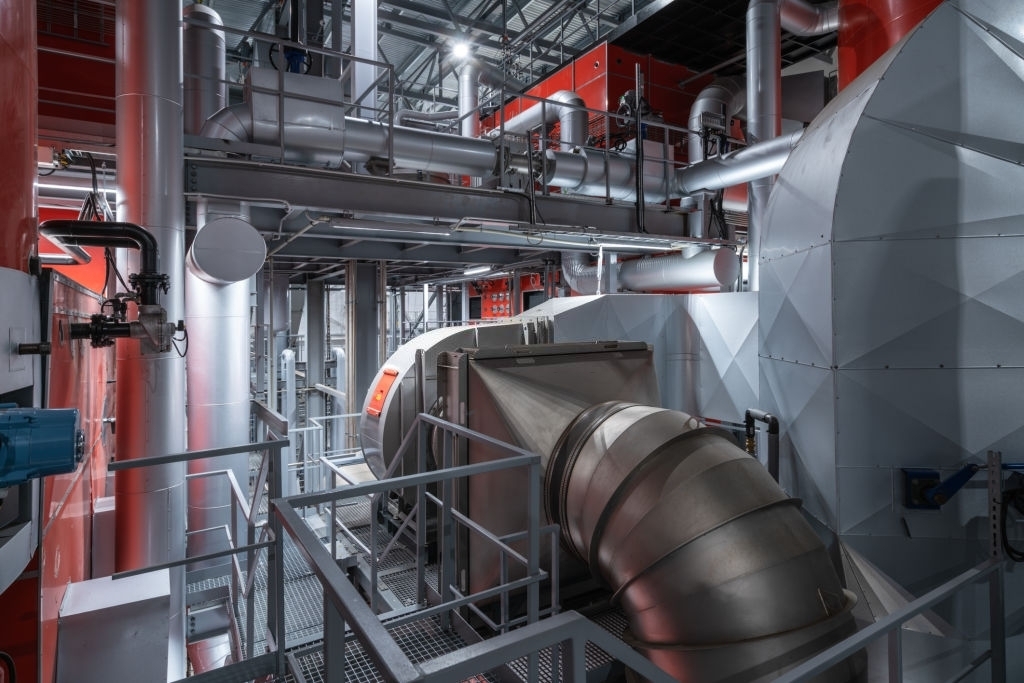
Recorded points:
(890, 624)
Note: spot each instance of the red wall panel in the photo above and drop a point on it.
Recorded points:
(868, 28)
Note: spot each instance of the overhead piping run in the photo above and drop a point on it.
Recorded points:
(406, 116)
(469, 100)
(714, 108)
(764, 105)
(565, 108)
(708, 269)
(762, 160)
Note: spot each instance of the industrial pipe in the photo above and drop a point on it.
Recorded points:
(723, 98)
(469, 99)
(403, 116)
(69, 235)
(762, 160)
(564, 108)
(150, 502)
(804, 19)
(721, 577)
(674, 273)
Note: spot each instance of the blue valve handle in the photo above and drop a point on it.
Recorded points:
(35, 442)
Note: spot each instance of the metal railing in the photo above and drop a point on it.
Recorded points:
(345, 608)
(258, 536)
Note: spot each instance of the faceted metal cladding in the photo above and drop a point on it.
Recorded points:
(892, 328)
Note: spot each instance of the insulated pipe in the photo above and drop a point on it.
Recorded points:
(204, 69)
(403, 116)
(762, 160)
(469, 99)
(578, 273)
(723, 98)
(150, 502)
(226, 252)
(721, 577)
(320, 139)
(675, 273)
(804, 19)
(564, 107)
(764, 113)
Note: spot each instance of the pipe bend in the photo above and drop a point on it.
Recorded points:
(579, 274)
(804, 19)
(233, 123)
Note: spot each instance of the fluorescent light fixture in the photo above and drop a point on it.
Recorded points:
(460, 49)
(477, 270)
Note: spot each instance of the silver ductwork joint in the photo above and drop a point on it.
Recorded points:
(762, 160)
(578, 273)
(720, 575)
(563, 107)
(722, 99)
(804, 19)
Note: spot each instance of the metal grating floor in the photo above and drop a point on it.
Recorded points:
(612, 620)
(421, 641)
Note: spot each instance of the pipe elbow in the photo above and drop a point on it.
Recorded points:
(232, 123)
(578, 273)
(803, 19)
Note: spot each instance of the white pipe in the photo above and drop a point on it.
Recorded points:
(150, 502)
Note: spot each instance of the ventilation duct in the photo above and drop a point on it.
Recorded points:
(761, 160)
(469, 100)
(804, 19)
(709, 269)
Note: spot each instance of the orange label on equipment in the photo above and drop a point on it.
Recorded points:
(380, 392)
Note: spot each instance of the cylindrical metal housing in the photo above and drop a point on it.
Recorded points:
(469, 99)
(870, 27)
(217, 320)
(762, 160)
(564, 107)
(703, 550)
(150, 519)
(706, 270)
(764, 112)
(18, 237)
(203, 67)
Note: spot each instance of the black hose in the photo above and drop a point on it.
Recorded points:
(1014, 497)
(71, 233)
(8, 662)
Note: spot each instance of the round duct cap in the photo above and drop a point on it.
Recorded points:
(227, 250)
(727, 267)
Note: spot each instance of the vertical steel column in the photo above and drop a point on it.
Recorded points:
(764, 114)
(364, 46)
(315, 351)
(996, 587)
(464, 301)
(352, 395)
(382, 312)
(150, 518)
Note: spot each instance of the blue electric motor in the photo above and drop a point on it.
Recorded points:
(35, 442)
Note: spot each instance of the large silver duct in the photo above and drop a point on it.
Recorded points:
(721, 99)
(720, 576)
(226, 252)
(216, 310)
(150, 519)
(762, 160)
(709, 269)
(319, 133)
(764, 86)
(594, 173)
(469, 99)
(565, 108)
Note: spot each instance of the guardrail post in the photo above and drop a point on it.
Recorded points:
(334, 643)
(996, 598)
(275, 564)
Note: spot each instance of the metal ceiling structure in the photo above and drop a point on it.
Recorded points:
(517, 43)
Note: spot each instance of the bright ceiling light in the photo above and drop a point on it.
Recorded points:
(460, 49)
(477, 270)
